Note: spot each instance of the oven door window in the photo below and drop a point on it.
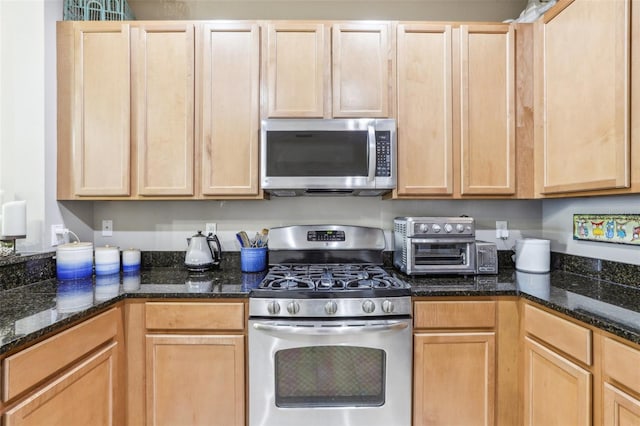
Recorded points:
(330, 376)
(440, 254)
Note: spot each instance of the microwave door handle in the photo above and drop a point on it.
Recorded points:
(330, 330)
(372, 152)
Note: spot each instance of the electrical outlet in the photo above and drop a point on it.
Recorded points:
(502, 229)
(57, 234)
(107, 228)
(211, 228)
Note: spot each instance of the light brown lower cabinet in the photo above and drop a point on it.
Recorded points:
(197, 379)
(556, 390)
(454, 378)
(621, 384)
(620, 408)
(72, 378)
(81, 396)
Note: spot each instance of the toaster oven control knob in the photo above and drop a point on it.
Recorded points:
(448, 228)
(331, 307)
(273, 308)
(388, 306)
(460, 227)
(436, 228)
(368, 306)
(424, 228)
(293, 307)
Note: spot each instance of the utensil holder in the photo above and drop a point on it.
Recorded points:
(253, 259)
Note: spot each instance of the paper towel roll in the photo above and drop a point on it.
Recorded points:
(14, 219)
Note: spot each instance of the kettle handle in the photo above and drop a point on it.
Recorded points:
(214, 238)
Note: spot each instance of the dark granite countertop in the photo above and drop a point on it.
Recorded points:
(31, 311)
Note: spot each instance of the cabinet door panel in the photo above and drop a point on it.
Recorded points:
(425, 144)
(620, 408)
(83, 396)
(200, 378)
(163, 75)
(454, 379)
(487, 109)
(297, 69)
(101, 111)
(361, 67)
(582, 97)
(229, 90)
(556, 391)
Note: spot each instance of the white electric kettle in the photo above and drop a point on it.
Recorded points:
(201, 253)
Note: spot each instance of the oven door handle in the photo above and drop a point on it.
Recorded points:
(330, 330)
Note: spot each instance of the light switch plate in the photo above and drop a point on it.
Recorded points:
(107, 228)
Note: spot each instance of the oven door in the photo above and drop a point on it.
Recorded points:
(440, 255)
(318, 373)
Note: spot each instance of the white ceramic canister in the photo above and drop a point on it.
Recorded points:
(130, 260)
(533, 255)
(74, 261)
(107, 260)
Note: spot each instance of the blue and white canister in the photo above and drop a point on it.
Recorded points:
(130, 260)
(74, 261)
(107, 260)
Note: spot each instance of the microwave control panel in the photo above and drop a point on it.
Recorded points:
(383, 153)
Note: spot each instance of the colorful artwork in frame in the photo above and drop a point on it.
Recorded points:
(608, 228)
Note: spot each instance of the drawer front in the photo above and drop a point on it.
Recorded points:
(566, 336)
(621, 363)
(194, 316)
(460, 314)
(32, 365)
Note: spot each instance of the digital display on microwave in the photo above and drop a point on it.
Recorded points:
(317, 153)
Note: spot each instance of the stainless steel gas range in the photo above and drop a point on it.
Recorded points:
(329, 332)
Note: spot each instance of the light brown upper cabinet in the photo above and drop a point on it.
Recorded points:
(173, 107)
(298, 69)
(228, 89)
(456, 103)
(363, 69)
(487, 105)
(93, 110)
(324, 69)
(163, 103)
(582, 97)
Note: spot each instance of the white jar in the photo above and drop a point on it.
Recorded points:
(74, 261)
(130, 260)
(533, 255)
(107, 260)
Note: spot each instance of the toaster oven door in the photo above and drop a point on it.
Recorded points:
(440, 255)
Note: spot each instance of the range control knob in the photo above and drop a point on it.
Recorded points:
(388, 306)
(331, 307)
(460, 227)
(273, 308)
(368, 306)
(293, 307)
(436, 228)
(448, 228)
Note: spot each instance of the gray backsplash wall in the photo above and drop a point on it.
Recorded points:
(164, 225)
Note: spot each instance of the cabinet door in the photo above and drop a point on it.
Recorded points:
(101, 109)
(424, 110)
(163, 102)
(82, 396)
(582, 97)
(556, 391)
(362, 60)
(454, 379)
(229, 99)
(620, 408)
(487, 106)
(297, 69)
(199, 378)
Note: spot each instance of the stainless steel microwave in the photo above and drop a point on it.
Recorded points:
(328, 156)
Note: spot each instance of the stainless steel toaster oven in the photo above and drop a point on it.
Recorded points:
(441, 245)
